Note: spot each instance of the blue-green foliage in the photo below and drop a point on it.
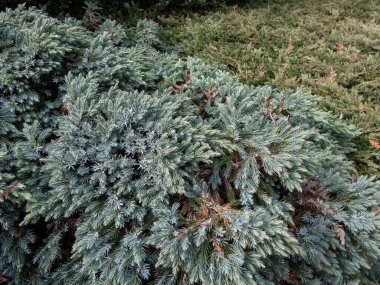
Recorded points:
(121, 164)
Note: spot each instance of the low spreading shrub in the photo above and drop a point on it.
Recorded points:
(121, 164)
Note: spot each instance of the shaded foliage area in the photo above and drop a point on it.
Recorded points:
(122, 9)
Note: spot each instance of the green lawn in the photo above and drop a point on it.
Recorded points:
(331, 48)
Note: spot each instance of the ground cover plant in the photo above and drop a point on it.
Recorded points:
(332, 48)
(123, 164)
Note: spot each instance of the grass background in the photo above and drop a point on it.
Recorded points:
(331, 48)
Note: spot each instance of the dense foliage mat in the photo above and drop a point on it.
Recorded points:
(330, 47)
(122, 164)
